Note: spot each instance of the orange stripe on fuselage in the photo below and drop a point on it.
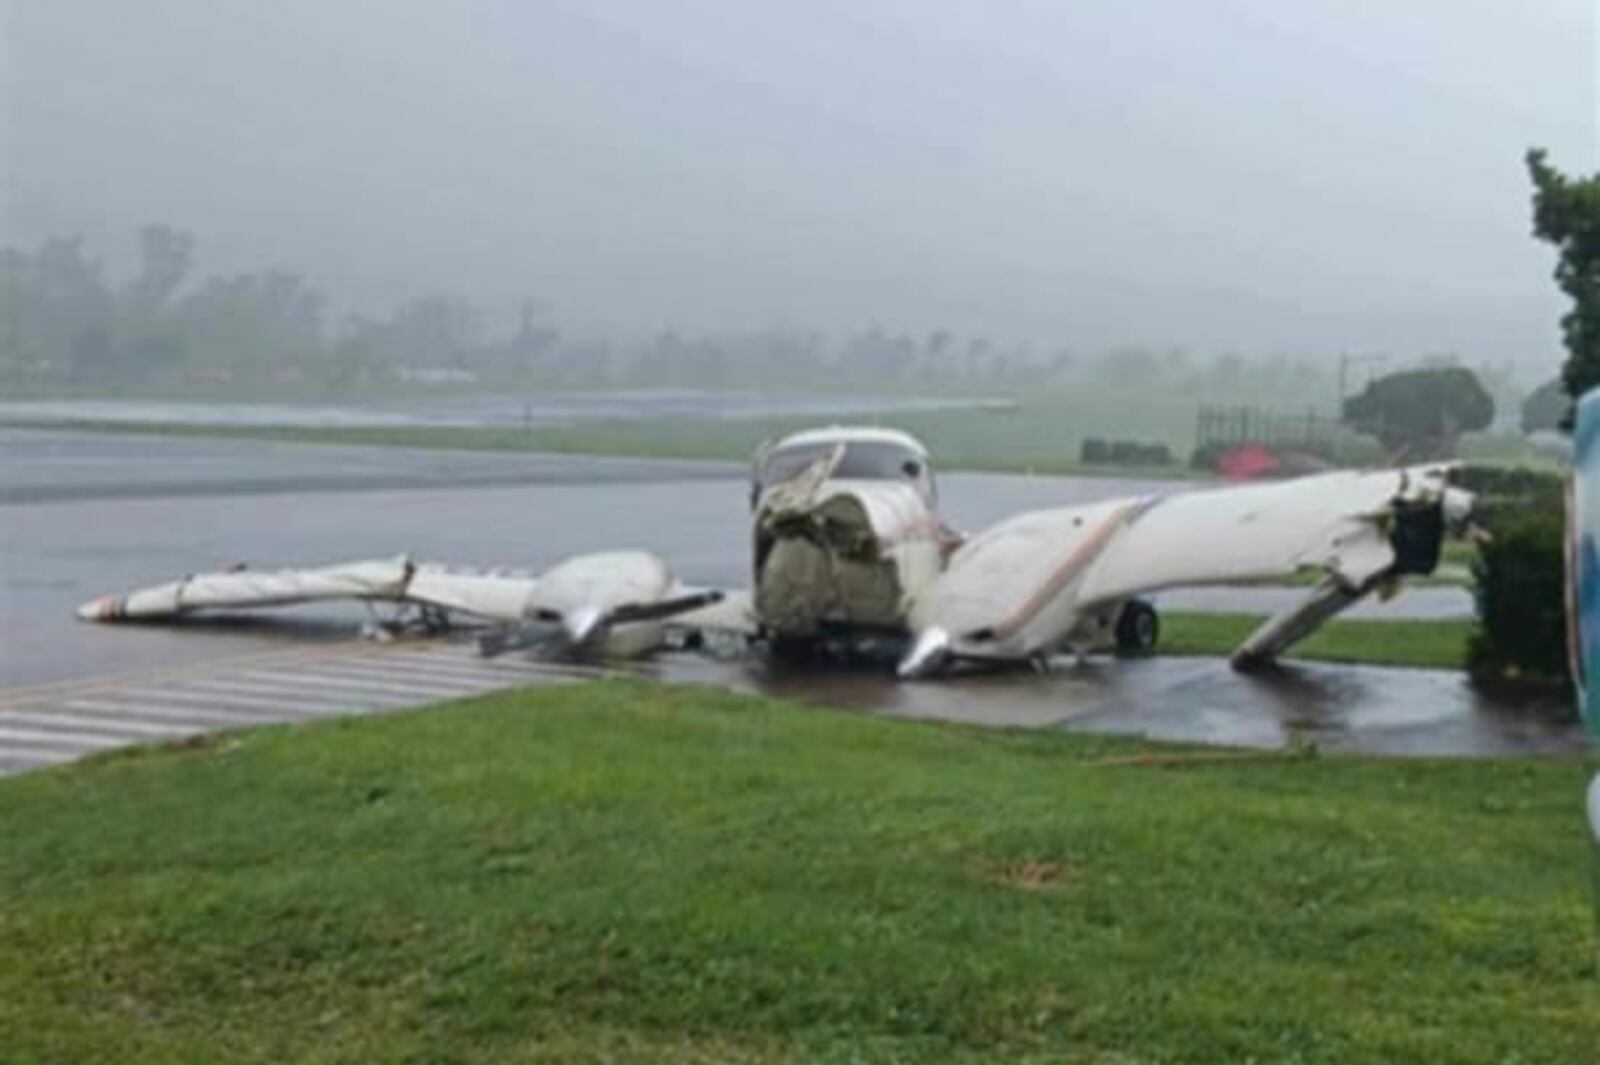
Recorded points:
(1081, 555)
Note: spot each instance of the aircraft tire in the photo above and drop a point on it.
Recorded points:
(1138, 628)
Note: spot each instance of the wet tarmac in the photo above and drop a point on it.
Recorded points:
(129, 511)
(1336, 709)
(1349, 709)
(58, 465)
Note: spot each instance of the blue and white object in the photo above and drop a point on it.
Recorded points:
(1583, 570)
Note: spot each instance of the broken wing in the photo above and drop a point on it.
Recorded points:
(1354, 527)
(587, 598)
(1046, 579)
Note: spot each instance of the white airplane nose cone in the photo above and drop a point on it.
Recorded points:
(928, 655)
(581, 622)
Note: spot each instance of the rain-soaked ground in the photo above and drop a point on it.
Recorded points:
(85, 514)
(1366, 709)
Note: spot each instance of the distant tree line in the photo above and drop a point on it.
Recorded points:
(64, 319)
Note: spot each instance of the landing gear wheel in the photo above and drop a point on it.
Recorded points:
(1138, 628)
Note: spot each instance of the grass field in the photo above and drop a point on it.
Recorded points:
(628, 873)
(1039, 439)
(1440, 644)
(1041, 435)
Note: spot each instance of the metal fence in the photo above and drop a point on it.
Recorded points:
(1222, 425)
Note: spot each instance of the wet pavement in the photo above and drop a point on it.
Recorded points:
(1350, 709)
(56, 465)
(1338, 709)
(130, 511)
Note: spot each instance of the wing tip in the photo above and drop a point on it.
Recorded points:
(105, 608)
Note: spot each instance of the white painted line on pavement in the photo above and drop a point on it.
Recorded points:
(32, 737)
(215, 718)
(285, 710)
(422, 693)
(95, 724)
(411, 677)
(309, 702)
(446, 669)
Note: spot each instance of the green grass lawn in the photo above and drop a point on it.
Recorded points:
(621, 873)
(1440, 644)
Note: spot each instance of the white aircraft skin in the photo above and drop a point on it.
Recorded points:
(1055, 579)
(848, 546)
(598, 602)
(833, 551)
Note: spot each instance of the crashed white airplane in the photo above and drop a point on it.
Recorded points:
(850, 552)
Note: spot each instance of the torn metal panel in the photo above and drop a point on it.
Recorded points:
(841, 553)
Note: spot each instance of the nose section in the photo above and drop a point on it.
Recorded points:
(581, 623)
(927, 656)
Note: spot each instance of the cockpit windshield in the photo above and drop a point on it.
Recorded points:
(867, 460)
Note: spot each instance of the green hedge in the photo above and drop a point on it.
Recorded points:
(1521, 633)
(1098, 452)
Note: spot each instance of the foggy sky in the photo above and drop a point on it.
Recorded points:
(1261, 175)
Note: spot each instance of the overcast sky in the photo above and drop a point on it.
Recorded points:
(1263, 175)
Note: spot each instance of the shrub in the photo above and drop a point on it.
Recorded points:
(1097, 452)
(1521, 632)
(1503, 488)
